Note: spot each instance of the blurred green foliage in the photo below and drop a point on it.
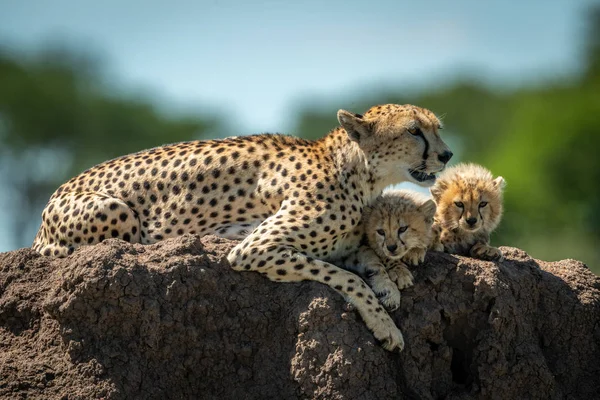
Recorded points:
(58, 117)
(544, 140)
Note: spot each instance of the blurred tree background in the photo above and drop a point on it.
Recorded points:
(57, 117)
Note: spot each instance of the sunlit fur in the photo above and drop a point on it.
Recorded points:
(384, 135)
(390, 212)
(480, 195)
(294, 203)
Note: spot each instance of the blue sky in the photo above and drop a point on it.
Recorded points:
(257, 60)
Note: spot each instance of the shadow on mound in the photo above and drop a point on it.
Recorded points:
(172, 320)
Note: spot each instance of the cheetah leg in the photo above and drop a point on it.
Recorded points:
(400, 275)
(415, 256)
(75, 219)
(368, 265)
(288, 265)
(438, 246)
(484, 251)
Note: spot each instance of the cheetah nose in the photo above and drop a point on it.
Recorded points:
(445, 156)
(392, 247)
(471, 221)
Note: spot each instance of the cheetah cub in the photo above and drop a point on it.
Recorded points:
(469, 208)
(397, 223)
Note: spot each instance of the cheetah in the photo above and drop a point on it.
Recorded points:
(398, 221)
(469, 208)
(292, 201)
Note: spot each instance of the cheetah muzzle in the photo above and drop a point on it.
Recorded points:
(422, 176)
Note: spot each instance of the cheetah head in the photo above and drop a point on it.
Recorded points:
(469, 198)
(398, 221)
(401, 142)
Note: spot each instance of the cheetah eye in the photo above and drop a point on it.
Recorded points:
(415, 131)
(402, 229)
(370, 273)
(459, 204)
(380, 232)
(483, 204)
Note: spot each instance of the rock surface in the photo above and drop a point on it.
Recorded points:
(172, 321)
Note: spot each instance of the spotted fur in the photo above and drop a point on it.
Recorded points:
(396, 224)
(469, 208)
(294, 202)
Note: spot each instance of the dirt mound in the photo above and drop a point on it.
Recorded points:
(171, 320)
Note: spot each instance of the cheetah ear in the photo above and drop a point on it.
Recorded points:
(354, 124)
(428, 208)
(437, 189)
(499, 183)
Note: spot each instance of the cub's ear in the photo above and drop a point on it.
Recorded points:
(354, 124)
(437, 189)
(428, 209)
(499, 183)
(366, 213)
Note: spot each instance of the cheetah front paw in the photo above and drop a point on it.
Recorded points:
(388, 334)
(415, 257)
(437, 247)
(494, 254)
(485, 252)
(401, 276)
(387, 292)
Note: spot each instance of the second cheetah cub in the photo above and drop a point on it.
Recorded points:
(397, 223)
(469, 208)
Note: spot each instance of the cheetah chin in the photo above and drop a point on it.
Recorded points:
(422, 177)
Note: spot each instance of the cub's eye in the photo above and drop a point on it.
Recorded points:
(380, 232)
(459, 204)
(414, 131)
(482, 204)
(402, 230)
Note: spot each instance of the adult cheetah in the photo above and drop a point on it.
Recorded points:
(292, 201)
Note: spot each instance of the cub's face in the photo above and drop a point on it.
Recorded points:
(401, 141)
(393, 228)
(471, 205)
